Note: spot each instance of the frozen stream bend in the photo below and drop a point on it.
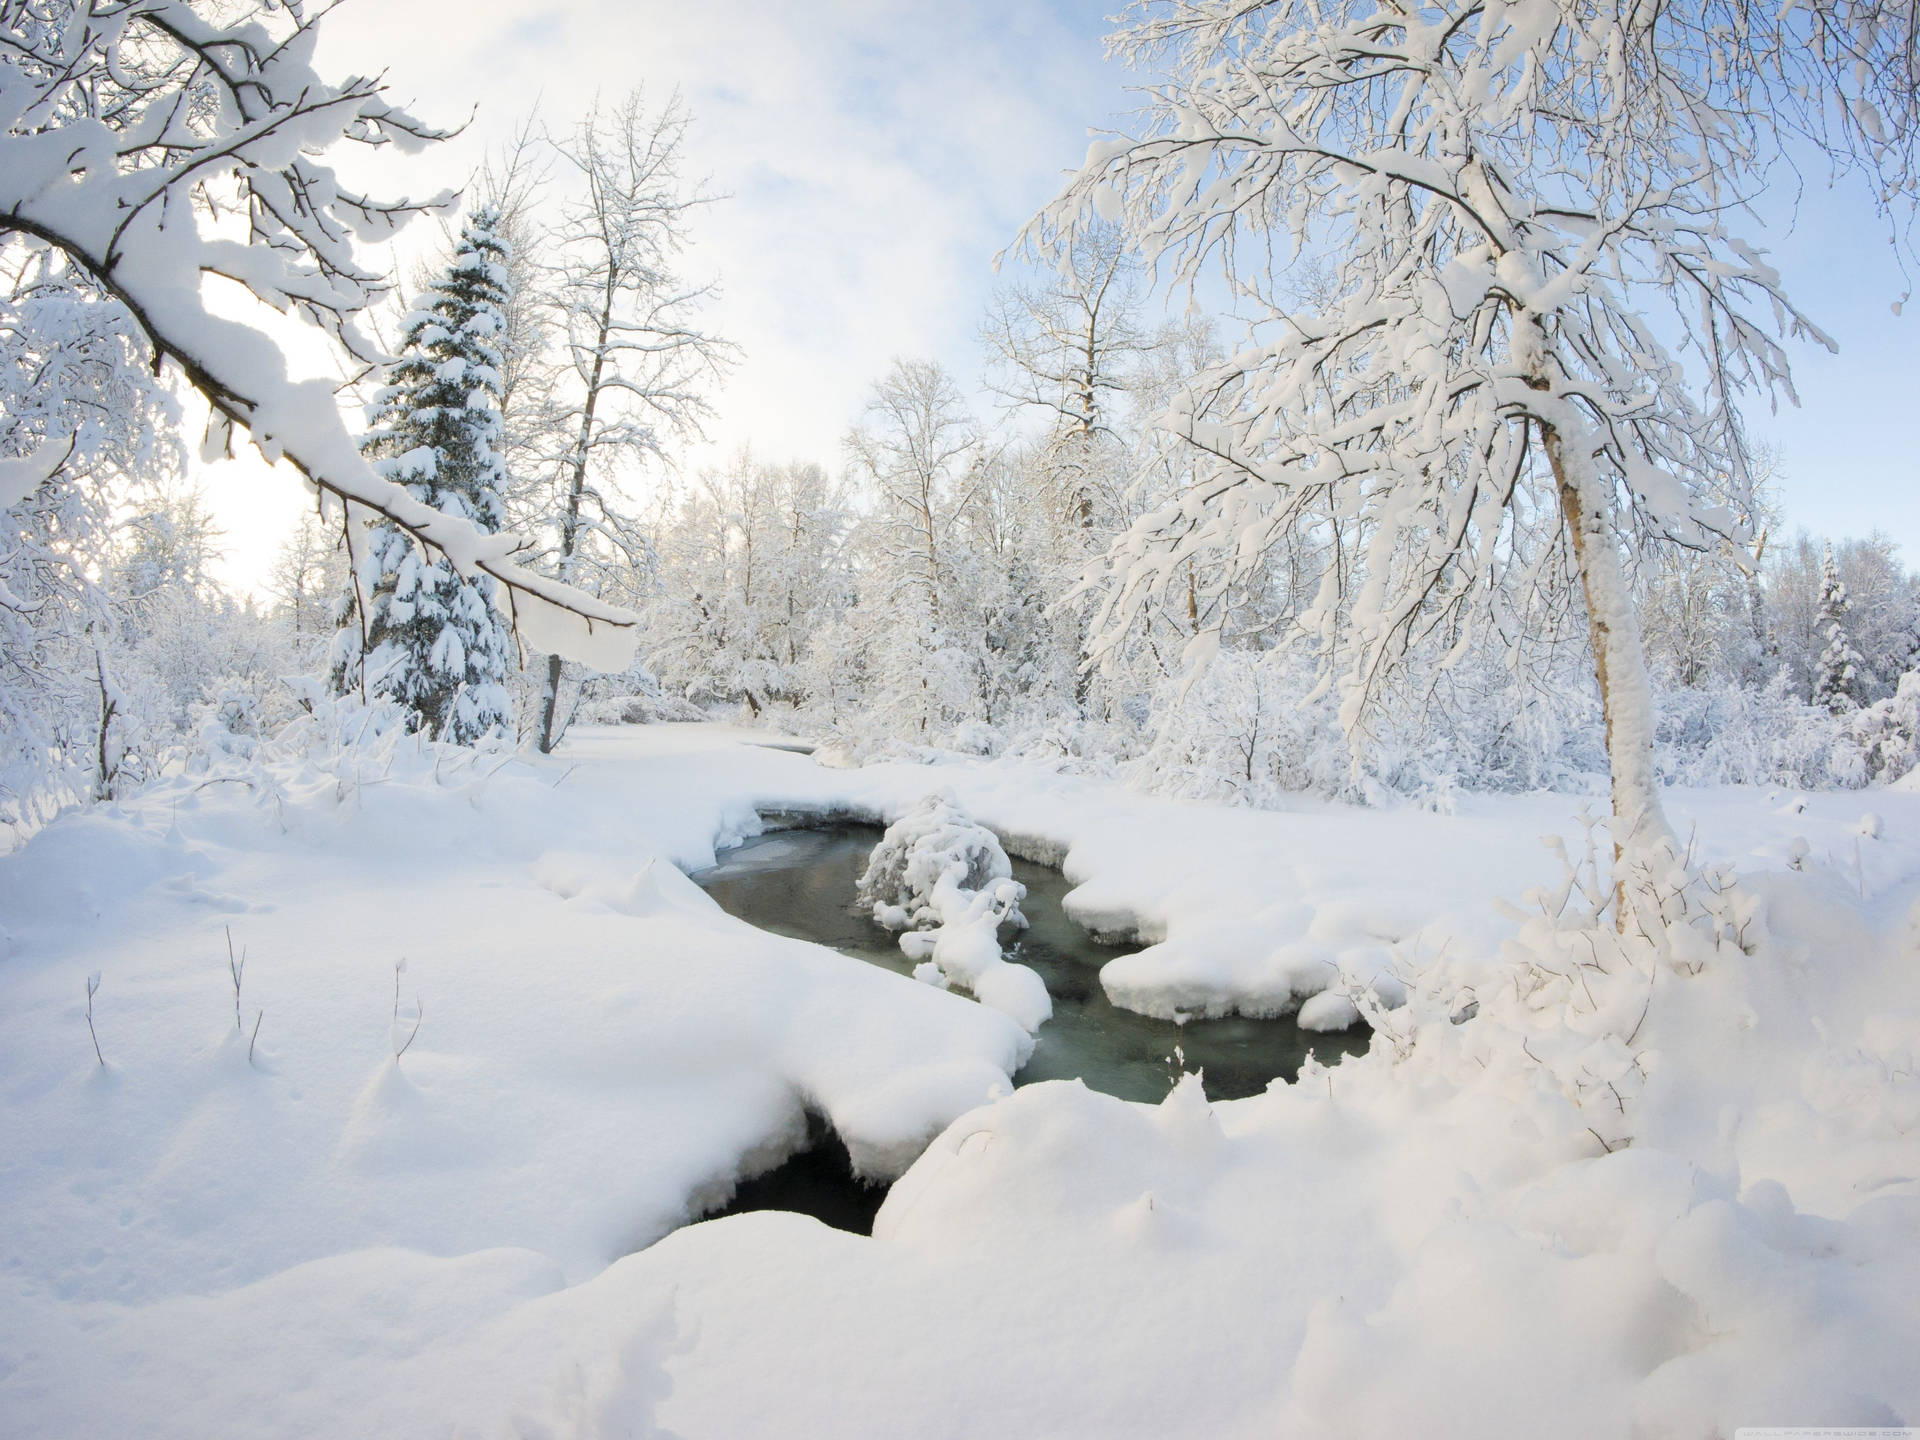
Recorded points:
(800, 883)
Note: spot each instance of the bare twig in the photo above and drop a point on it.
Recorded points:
(237, 969)
(419, 1014)
(419, 1011)
(258, 1016)
(93, 984)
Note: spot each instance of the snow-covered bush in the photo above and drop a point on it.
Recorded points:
(1250, 731)
(1886, 734)
(1734, 735)
(1573, 1016)
(330, 727)
(1080, 746)
(1244, 731)
(937, 845)
(976, 737)
(1255, 726)
(943, 879)
(643, 707)
(229, 721)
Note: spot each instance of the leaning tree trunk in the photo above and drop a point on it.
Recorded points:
(1619, 661)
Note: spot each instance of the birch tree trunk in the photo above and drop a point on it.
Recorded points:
(1619, 660)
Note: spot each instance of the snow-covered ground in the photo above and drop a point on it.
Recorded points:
(319, 1240)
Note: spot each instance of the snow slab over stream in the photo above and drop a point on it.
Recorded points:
(318, 1241)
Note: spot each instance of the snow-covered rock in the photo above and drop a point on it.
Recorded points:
(1329, 1010)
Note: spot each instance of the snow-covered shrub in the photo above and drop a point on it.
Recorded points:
(936, 844)
(975, 737)
(1574, 1015)
(229, 719)
(1079, 746)
(1730, 735)
(637, 698)
(329, 726)
(1255, 726)
(1245, 730)
(943, 879)
(1886, 734)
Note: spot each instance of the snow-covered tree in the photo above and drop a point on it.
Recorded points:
(1696, 613)
(307, 582)
(1507, 196)
(637, 365)
(1069, 347)
(430, 638)
(1066, 347)
(516, 183)
(1880, 624)
(1009, 569)
(1837, 677)
(184, 655)
(920, 449)
(753, 564)
(83, 421)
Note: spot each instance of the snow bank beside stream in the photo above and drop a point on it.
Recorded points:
(315, 1240)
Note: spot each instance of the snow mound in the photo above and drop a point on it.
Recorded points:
(1329, 1010)
(943, 878)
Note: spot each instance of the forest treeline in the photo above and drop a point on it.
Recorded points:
(936, 585)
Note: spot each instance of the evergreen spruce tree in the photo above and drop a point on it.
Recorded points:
(433, 640)
(1837, 679)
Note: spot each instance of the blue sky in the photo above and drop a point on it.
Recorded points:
(1849, 450)
(878, 153)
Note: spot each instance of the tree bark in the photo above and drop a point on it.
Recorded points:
(106, 770)
(1619, 661)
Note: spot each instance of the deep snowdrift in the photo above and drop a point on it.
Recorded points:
(324, 1242)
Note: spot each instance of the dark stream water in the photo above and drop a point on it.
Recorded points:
(800, 883)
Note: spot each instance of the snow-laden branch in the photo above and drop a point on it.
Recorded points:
(20, 478)
(134, 128)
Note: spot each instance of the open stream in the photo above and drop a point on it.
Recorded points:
(801, 883)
